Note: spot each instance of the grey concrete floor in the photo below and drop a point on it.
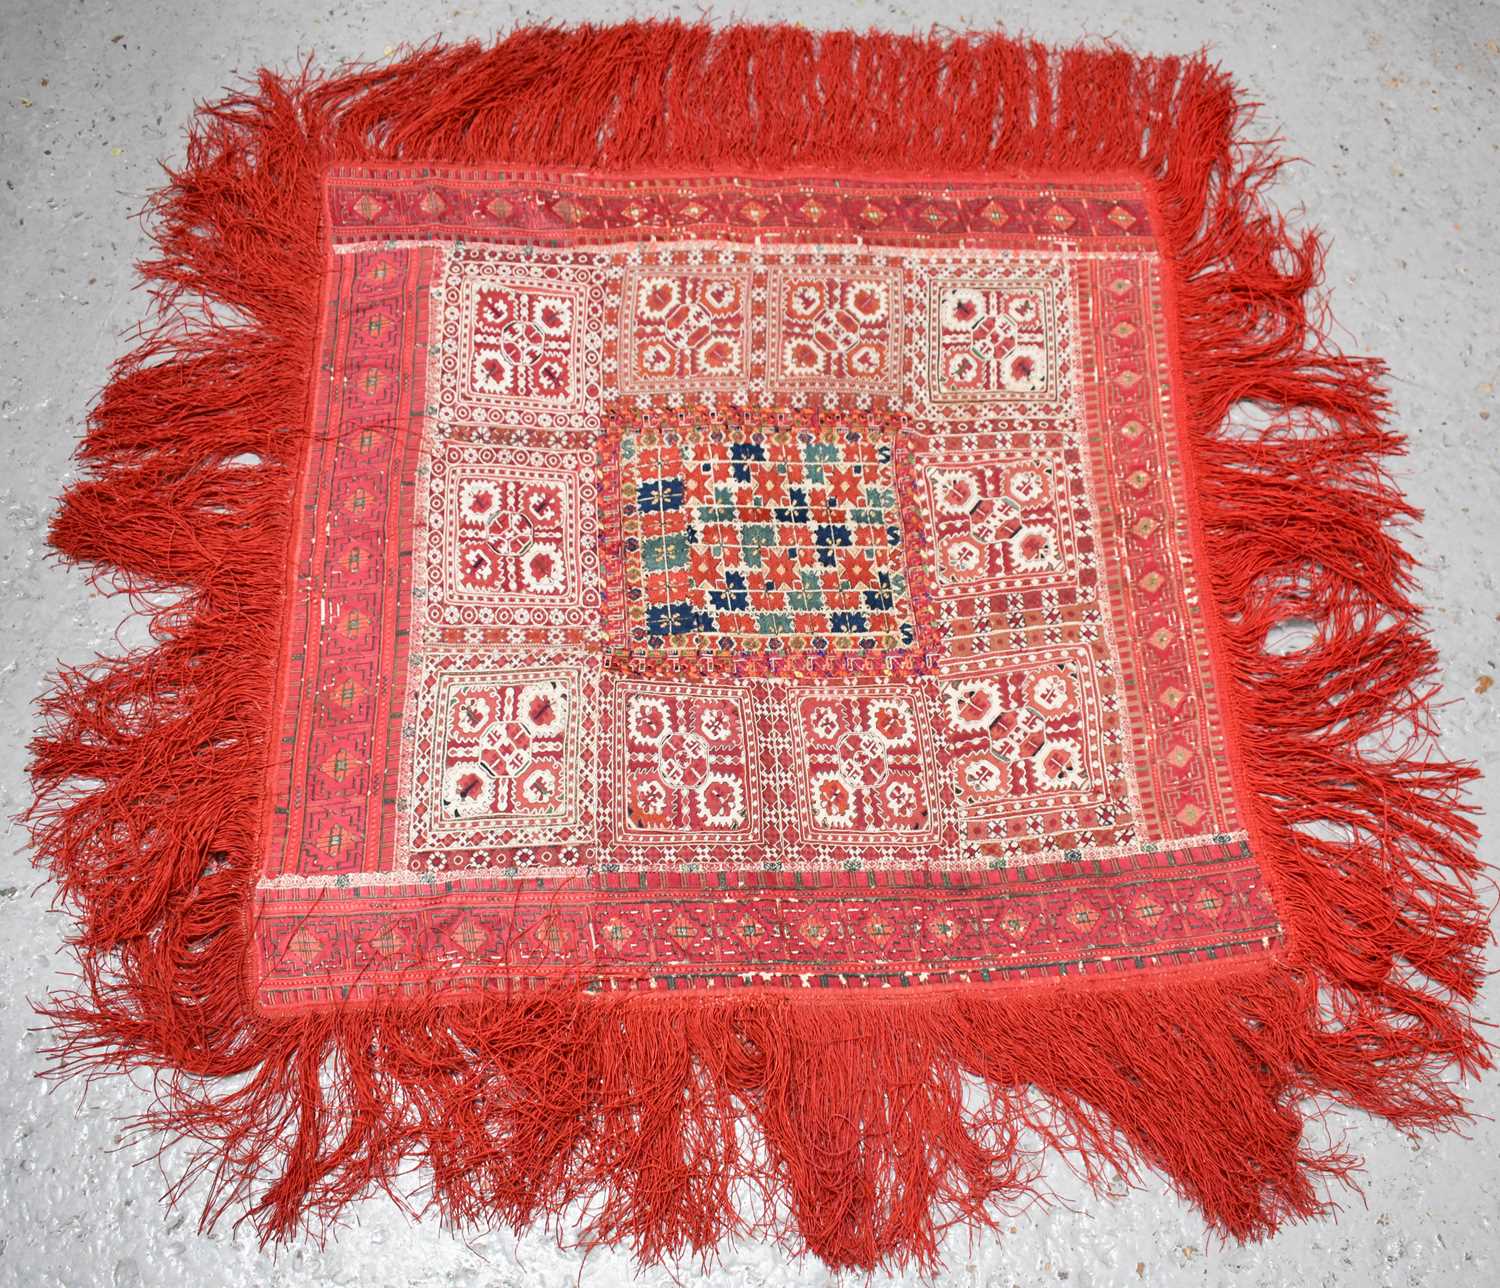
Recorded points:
(1394, 107)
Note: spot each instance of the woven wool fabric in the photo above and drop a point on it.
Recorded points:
(729, 648)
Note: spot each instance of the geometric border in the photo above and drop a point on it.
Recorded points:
(1200, 901)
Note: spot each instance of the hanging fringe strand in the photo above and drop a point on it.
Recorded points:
(845, 1115)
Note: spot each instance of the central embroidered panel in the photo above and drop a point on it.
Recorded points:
(761, 537)
(714, 604)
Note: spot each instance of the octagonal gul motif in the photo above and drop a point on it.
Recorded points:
(502, 763)
(685, 764)
(524, 347)
(510, 539)
(998, 522)
(512, 535)
(832, 331)
(518, 340)
(504, 748)
(1030, 752)
(684, 330)
(865, 768)
(991, 340)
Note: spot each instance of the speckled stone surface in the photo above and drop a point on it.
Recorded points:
(1396, 110)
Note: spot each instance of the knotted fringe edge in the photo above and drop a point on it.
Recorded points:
(858, 1126)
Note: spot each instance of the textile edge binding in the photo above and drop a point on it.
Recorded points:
(851, 1122)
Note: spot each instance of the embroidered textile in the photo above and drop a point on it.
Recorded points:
(719, 581)
(711, 662)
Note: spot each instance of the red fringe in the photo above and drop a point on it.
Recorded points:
(857, 1126)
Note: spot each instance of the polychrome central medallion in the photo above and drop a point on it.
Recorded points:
(762, 536)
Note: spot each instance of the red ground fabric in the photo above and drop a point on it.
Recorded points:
(729, 646)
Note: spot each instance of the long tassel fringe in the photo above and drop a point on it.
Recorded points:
(852, 1121)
